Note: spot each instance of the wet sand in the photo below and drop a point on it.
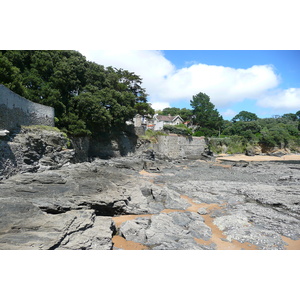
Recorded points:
(121, 243)
(238, 157)
(121, 219)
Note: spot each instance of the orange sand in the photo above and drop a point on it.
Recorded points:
(238, 157)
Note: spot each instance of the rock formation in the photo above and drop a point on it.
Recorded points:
(33, 148)
(147, 200)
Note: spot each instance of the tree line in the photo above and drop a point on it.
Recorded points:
(88, 98)
(246, 127)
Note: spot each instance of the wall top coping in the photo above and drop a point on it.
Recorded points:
(3, 87)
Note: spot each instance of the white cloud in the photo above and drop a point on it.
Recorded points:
(229, 113)
(224, 85)
(282, 99)
(150, 65)
(166, 84)
(160, 105)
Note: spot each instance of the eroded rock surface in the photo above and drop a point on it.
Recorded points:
(173, 231)
(33, 149)
(186, 205)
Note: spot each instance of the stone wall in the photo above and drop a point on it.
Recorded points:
(16, 111)
(174, 146)
(113, 145)
(126, 144)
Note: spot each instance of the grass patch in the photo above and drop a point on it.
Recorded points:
(36, 128)
(40, 127)
(151, 135)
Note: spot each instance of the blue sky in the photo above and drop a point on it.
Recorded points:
(265, 82)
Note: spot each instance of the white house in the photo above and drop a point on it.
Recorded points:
(159, 121)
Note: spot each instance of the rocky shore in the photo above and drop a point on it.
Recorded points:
(148, 203)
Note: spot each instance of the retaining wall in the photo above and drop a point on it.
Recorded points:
(176, 147)
(16, 111)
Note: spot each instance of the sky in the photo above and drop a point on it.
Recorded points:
(265, 82)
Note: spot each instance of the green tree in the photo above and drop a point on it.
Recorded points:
(173, 111)
(10, 76)
(144, 109)
(246, 129)
(275, 136)
(298, 118)
(290, 117)
(207, 116)
(88, 98)
(245, 116)
(186, 114)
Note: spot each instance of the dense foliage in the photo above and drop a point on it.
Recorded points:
(280, 131)
(245, 116)
(185, 113)
(178, 129)
(87, 97)
(206, 115)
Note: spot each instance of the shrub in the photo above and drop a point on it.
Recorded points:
(178, 129)
(233, 144)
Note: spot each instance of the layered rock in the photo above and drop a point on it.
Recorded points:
(32, 149)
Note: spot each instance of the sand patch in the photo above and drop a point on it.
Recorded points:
(292, 244)
(121, 219)
(238, 157)
(145, 173)
(121, 243)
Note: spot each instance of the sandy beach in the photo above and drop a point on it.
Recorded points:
(238, 157)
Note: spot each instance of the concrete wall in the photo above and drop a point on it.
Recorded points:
(16, 111)
(176, 147)
(125, 144)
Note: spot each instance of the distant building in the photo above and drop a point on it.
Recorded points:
(155, 123)
(159, 121)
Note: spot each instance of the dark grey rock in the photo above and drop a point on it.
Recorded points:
(33, 149)
(30, 228)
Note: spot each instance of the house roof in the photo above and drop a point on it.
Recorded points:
(164, 118)
(167, 118)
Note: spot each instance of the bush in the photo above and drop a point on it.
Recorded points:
(178, 129)
(231, 145)
(206, 132)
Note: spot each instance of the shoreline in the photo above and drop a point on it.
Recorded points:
(258, 158)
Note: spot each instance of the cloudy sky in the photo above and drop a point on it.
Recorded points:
(264, 82)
